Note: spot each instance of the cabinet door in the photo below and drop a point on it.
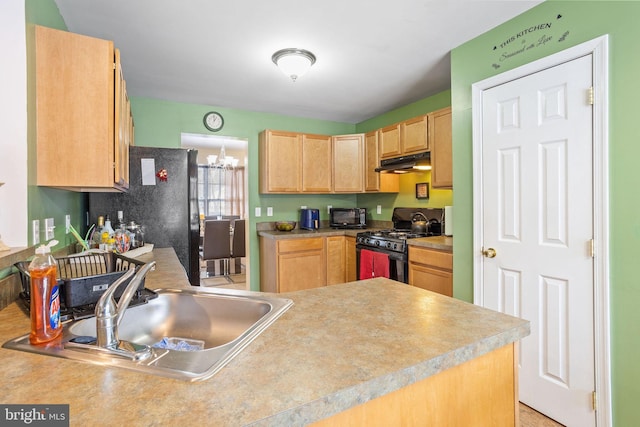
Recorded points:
(440, 137)
(316, 163)
(336, 260)
(280, 162)
(301, 264)
(375, 181)
(74, 84)
(348, 163)
(415, 136)
(390, 145)
(350, 265)
(431, 279)
(431, 269)
(122, 129)
(371, 177)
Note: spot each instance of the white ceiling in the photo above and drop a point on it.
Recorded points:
(372, 56)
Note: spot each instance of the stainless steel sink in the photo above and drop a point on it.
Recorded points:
(219, 322)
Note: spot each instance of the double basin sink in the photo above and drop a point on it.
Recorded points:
(192, 333)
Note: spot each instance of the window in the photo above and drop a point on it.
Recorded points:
(221, 191)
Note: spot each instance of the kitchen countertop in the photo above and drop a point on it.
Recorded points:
(444, 243)
(301, 369)
(301, 234)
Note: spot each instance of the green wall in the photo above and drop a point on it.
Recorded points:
(46, 202)
(160, 123)
(476, 60)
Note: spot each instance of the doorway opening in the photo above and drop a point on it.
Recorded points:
(223, 195)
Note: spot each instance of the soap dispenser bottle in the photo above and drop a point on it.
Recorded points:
(44, 297)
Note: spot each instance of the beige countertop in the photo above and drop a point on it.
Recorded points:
(337, 347)
(444, 243)
(301, 234)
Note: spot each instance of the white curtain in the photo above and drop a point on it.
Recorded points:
(234, 192)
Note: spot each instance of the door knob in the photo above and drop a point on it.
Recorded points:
(489, 253)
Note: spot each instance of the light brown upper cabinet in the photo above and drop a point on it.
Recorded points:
(440, 139)
(83, 117)
(374, 181)
(414, 135)
(316, 163)
(390, 145)
(407, 137)
(348, 163)
(293, 162)
(280, 162)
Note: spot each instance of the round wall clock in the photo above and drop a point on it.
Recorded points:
(213, 121)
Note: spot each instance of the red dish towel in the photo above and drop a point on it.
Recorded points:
(373, 264)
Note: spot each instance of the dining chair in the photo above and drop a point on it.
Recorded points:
(216, 244)
(238, 249)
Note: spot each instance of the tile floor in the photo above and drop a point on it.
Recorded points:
(532, 418)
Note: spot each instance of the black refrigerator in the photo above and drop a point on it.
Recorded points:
(163, 198)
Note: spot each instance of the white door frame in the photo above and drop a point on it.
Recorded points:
(598, 48)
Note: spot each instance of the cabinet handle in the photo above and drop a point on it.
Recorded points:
(489, 253)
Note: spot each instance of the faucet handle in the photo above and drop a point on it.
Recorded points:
(106, 306)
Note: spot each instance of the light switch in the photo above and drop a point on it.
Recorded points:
(269, 211)
(329, 209)
(35, 231)
(378, 209)
(258, 211)
(48, 228)
(67, 224)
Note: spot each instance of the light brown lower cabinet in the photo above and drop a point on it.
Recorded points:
(431, 269)
(336, 260)
(288, 265)
(352, 273)
(480, 392)
(292, 264)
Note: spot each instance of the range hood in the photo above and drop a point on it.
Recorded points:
(409, 163)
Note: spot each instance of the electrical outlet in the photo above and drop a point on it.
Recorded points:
(329, 209)
(48, 228)
(269, 211)
(378, 209)
(35, 231)
(303, 207)
(258, 211)
(67, 224)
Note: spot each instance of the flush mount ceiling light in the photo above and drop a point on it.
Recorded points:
(294, 62)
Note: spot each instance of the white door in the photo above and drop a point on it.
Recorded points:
(537, 212)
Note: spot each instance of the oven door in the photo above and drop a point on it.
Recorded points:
(398, 265)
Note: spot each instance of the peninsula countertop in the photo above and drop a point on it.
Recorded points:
(337, 347)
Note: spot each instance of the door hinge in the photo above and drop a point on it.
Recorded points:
(590, 95)
(592, 248)
(594, 401)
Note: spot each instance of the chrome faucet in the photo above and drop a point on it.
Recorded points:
(109, 315)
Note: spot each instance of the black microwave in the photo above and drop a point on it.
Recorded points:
(348, 217)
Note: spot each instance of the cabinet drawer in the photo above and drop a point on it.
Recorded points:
(297, 245)
(431, 279)
(432, 257)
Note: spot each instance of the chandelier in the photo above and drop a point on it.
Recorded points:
(222, 160)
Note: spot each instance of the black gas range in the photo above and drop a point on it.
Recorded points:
(393, 242)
